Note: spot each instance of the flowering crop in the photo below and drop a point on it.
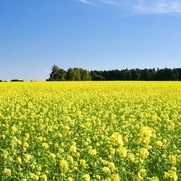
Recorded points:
(88, 131)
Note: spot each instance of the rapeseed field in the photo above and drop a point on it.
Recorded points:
(89, 131)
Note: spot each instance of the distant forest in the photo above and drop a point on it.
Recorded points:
(79, 74)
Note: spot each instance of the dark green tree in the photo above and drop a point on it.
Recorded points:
(77, 75)
(70, 74)
(97, 75)
(84, 74)
(135, 74)
(57, 74)
(126, 74)
(178, 73)
(164, 74)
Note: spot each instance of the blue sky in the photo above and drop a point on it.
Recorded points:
(90, 34)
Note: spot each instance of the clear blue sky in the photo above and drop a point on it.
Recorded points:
(90, 34)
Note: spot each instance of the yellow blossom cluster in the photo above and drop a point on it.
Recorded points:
(84, 131)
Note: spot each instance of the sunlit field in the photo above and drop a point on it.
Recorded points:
(89, 131)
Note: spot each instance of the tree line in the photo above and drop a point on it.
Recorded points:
(79, 74)
(72, 74)
(13, 80)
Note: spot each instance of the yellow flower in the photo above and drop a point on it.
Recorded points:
(145, 134)
(52, 155)
(116, 139)
(86, 177)
(27, 158)
(159, 143)
(45, 145)
(25, 146)
(143, 152)
(112, 166)
(63, 164)
(98, 177)
(142, 172)
(121, 151)
(173, 159)
(82, 163)
(19, 160)
(131, 157)
(61, 150)
(44, 177)
(3, 136)
(112, 150)
(5, 154)
(73, 149)
(70, 158)
(115, 177)
(106, 170)
(33, 176)
(14, 129)
(66, 128)
(7, 172)
(40, 138)
(15, 141)
(26, 137)
(172, 175)
(92, 152)
(70, 179)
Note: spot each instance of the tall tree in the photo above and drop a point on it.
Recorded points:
(70, 74)
(57, 74)
(85, 75)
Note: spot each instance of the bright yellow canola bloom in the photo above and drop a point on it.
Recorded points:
(90, 131)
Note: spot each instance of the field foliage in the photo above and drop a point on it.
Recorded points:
(75, 131)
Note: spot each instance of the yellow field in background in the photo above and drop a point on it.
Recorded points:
(107, 131)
